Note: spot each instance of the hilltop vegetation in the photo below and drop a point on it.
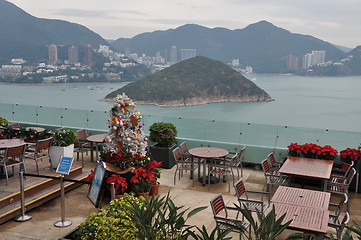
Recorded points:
(194, 81)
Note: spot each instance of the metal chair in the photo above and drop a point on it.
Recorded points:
(271, 177)
(222, 167)
(245, 202)
(13, 156)
(82, 145)
(340, 185)
(340, 227)
(343, 170)
(39, 152)
(182, 165)
(221, 216)
(334, 218)
(238, 161)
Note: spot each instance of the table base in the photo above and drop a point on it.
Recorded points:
(214, 180)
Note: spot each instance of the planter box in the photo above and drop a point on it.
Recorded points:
(69, 235)
(163, 155)
(56, 152)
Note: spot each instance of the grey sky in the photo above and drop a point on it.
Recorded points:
(334, 21)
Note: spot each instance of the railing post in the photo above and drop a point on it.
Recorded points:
(112, 191)
(23, 217)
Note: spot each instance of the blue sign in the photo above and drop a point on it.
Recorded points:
(97, 185)
(64, 165)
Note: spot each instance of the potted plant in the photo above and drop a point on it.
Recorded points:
(164, 135)
(63, 145)
(3, 122)
(120, 184)
(143, 179)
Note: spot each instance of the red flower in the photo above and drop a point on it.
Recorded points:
(351, 154)
(89, 178)
(119, 182)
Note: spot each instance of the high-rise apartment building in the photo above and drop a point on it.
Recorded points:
(173, 54)
(88, 55)
(314, 58)
(73, 56)
(292, 62)
(187, 53)
(53, 54)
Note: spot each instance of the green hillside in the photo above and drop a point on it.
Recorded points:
(194, 81)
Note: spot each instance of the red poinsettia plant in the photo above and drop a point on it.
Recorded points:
(145, 176)
(120, 183)
(350, 154)
(311, 150)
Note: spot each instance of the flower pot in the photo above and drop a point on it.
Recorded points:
(154, 189)
(144, 194)
(163, 155)
(56, 152)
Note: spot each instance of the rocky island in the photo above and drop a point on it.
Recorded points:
(198, 80)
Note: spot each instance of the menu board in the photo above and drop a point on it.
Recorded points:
(97, 184)
(64, 165)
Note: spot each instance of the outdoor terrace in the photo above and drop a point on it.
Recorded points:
(78, 207)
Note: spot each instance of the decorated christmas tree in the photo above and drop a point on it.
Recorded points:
(125, 130)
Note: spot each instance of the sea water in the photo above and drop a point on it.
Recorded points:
(312, 102)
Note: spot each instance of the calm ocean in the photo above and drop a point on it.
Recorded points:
(317, 102)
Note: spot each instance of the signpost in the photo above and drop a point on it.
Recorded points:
(63, 168)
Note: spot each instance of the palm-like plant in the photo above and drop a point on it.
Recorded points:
(159, 219)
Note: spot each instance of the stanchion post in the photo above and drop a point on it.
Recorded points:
(112, 191)
(23, 217)
(63, 222)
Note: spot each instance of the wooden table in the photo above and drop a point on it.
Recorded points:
(97, 138)
(207, 153)
(308, 168)
(301, 197)
(305, 219)
(307, 208)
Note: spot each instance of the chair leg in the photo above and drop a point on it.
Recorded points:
(6, 175)
(175, 176)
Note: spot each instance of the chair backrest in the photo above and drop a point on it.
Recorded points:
(271, 158)
(184, 147)
(240, 189)
(350, 176)
(241, 151)
(265, 166)
(17, 151)
(43, 144)
(177, 154)
(342, 203)
(81, 134)
(233, 159)
(349, 167)
(15, 125)
(218, 206)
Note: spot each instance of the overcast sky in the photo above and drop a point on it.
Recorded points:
(334, 21)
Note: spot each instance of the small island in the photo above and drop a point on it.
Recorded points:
(195, 81)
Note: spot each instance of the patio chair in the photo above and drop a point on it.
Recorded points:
(40, 151)
(334, 218)
(238, 161)
(343, 170)
(340, 185)
(82, 145)
(222, 167)
(13, 156)
(340, 227)
(183, 164)
(245, 202)
(273, 179)
(221, 216)
(273, 162)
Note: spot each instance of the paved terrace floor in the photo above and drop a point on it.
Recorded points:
(78, 207)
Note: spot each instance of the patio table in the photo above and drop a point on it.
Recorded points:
(308, 168)
(207, 153)
(305, 219)
(97, 138)
(301, 197)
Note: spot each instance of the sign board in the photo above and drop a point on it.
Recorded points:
(97, 184)
(64, 165)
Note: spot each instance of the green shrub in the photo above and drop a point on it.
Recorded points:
(111, 223)
(3, 122)
(64, 137)
(163, 133)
